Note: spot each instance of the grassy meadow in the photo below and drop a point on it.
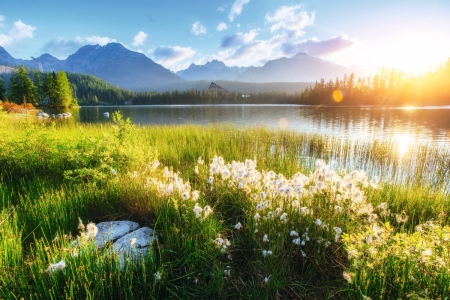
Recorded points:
(242, 213)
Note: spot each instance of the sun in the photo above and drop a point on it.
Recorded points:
(414, 53)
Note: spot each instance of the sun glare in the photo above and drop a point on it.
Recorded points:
(404, 141)
(413, 53)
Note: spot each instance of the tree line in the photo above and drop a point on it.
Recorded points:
(39, 89)
(386, 87)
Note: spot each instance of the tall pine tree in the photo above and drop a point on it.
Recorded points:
(21, 89)
(2, 90)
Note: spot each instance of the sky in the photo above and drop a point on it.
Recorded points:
(409, 35)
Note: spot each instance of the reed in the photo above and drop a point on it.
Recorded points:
(255, 214)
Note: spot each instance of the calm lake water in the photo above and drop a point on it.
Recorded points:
(429, 124)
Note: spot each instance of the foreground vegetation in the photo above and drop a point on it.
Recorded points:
(248, 213)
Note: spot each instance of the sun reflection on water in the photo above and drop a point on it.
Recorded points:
(403, 142)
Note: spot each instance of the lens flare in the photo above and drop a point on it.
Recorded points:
(337, 96)
(283, 123)
(404, 141)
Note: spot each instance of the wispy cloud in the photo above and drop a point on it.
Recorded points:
(222, 8)
(318, 48)
(222, 26)
(290, 19)
(238, 39)
(61, 48)
(170, 57)
(139, 38)
(236, 8)
(18, 32)
(198, 29)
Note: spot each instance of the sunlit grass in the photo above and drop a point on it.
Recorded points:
(233, 224)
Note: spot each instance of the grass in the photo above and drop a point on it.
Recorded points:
(311, 225)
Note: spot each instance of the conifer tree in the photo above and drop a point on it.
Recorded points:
(2, 90)
(21, 89)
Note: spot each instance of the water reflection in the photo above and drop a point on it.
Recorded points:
(421, 124)
(404, 141)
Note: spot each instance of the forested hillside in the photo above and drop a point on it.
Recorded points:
(386, 87)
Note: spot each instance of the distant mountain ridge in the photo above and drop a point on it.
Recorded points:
(300, 68)
(112, 62)
(213, 70)
(134, 71)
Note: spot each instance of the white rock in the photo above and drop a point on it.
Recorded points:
(112, 231)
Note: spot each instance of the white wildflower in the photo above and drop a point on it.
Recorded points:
(197, 210)
(196, 170)
(293, 233)
(227, 271)
(372, 218)
(265, 238)
(297, 241)
(257, 217)
(132, 242)
(263, 196)
(91, 231)
(337, 231)
(155, 164)
(210, 179)
(382, 205)
(338, 209)
(348, 276)
(283, 217)
(266, 253)
(157, 276)
(113, 172)
(207, 210)
(185, 195)
(200, 161)
(195, 195)
(266, 279)
(56, 267)
(238, 226)
(318, 222)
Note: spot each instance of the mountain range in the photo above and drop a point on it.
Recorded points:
(213, 70)
(134, 71)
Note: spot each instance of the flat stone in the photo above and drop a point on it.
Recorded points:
(112, 231)
(144, 237)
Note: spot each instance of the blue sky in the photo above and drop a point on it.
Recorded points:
(410, 35)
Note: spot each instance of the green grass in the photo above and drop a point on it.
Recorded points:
(53, 173)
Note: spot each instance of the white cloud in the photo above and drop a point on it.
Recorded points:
(222, 26)
(139, 38)
(18, 32)
(290, 19)
(198, 29)
(93, 39)
(239, 39)
(171, 57)
(61, 48)
(222, 8)
(236, 9)
(318, 48)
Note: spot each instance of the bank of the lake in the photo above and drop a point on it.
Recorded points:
(296, 217)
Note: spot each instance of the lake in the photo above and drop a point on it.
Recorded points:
(426, 124)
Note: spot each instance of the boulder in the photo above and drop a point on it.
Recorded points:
(112, 231)
(136, 242)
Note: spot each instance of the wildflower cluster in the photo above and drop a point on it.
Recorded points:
(302, 209)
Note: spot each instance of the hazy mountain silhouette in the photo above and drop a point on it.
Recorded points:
(300, 68)
(112, 62)
(213, 70)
